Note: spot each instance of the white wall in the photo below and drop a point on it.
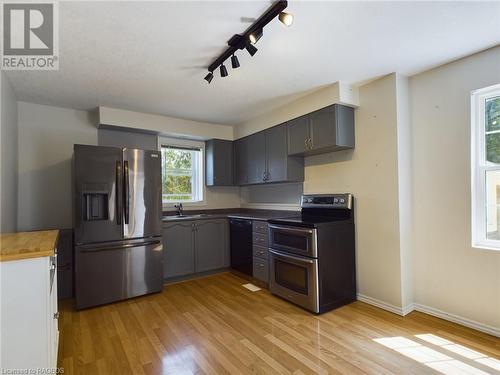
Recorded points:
(370, 172)
(46, 138)
(164, 125)
(405, 189)
(8, 164)
(337, 92)
(449, 274)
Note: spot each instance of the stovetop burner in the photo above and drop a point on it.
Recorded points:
(320, 209)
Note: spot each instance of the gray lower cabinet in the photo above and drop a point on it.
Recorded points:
(219, 162)
(261, 269)
(212, 250)
(195, 246)
(178, 249)
(260, 250)
(325, 130)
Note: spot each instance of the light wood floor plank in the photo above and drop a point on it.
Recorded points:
(215, 326)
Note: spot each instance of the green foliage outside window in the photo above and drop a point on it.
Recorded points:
(492, 113)
(177, 174)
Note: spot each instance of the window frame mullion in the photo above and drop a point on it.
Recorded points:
(479, 168)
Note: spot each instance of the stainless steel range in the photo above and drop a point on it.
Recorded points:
(312, 256)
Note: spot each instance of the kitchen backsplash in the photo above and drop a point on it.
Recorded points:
(279, 194)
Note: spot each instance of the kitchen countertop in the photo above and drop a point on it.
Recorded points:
(244, 213)
(25, 245)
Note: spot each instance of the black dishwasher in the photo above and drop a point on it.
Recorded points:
(241, 245)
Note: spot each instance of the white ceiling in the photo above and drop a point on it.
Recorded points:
(150, 57)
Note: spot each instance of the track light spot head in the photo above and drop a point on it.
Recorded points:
(223, 71)
(209, 77)
(234, 62)
(255, 36)
(286, 18)
(251, 49)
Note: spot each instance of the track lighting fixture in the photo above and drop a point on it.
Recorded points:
(285, 18)
(251, 49)
(223, 71)
(234, 62)
(255, 36)
(247, 39)
(209, 77)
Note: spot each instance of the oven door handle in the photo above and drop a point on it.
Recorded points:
(291, 257)
(290, 229)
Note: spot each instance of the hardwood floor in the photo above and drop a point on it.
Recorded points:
(215, 326)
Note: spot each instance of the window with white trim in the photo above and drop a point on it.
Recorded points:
(182, 171)
(485, 171)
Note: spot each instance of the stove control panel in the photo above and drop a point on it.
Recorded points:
(327, 201)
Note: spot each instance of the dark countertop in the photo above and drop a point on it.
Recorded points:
(238, 213)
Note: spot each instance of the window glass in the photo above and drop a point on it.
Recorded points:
(181, 174)
(492, 124)
(492, 112)
(493, 204)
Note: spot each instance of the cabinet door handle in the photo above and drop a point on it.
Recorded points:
(310, 144)
(56, 315)
(306, 145)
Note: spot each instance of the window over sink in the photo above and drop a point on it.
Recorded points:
(485, 168)
(182, 171)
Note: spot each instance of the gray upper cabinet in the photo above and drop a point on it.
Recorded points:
(263, 158)
(279, 166)
(256, 158)
(212, 250)
(326, 130)
(240, 160)
(276, 154)
(322, 128)
(178, 249)
(219, 162)
(298, 134)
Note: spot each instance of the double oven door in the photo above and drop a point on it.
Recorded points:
(294, 265)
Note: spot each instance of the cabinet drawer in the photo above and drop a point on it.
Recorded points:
(260, 252)
(259, 226)
(260, 269)
(260, 239)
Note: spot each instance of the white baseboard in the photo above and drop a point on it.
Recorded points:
(272, 206)
(458, 319)
(384, 305)
(402, 311)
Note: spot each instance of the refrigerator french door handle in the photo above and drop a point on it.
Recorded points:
(119, 207)
(126, 246)
(126, 191)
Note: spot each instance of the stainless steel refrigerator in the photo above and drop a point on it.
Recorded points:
(117, 224)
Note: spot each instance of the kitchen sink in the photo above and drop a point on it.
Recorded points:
(184, 216)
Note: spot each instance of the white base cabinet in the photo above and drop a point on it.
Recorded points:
(29, 334)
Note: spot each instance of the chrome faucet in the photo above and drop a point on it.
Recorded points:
(180, 210)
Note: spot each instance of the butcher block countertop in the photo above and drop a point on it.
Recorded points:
(25, 245)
